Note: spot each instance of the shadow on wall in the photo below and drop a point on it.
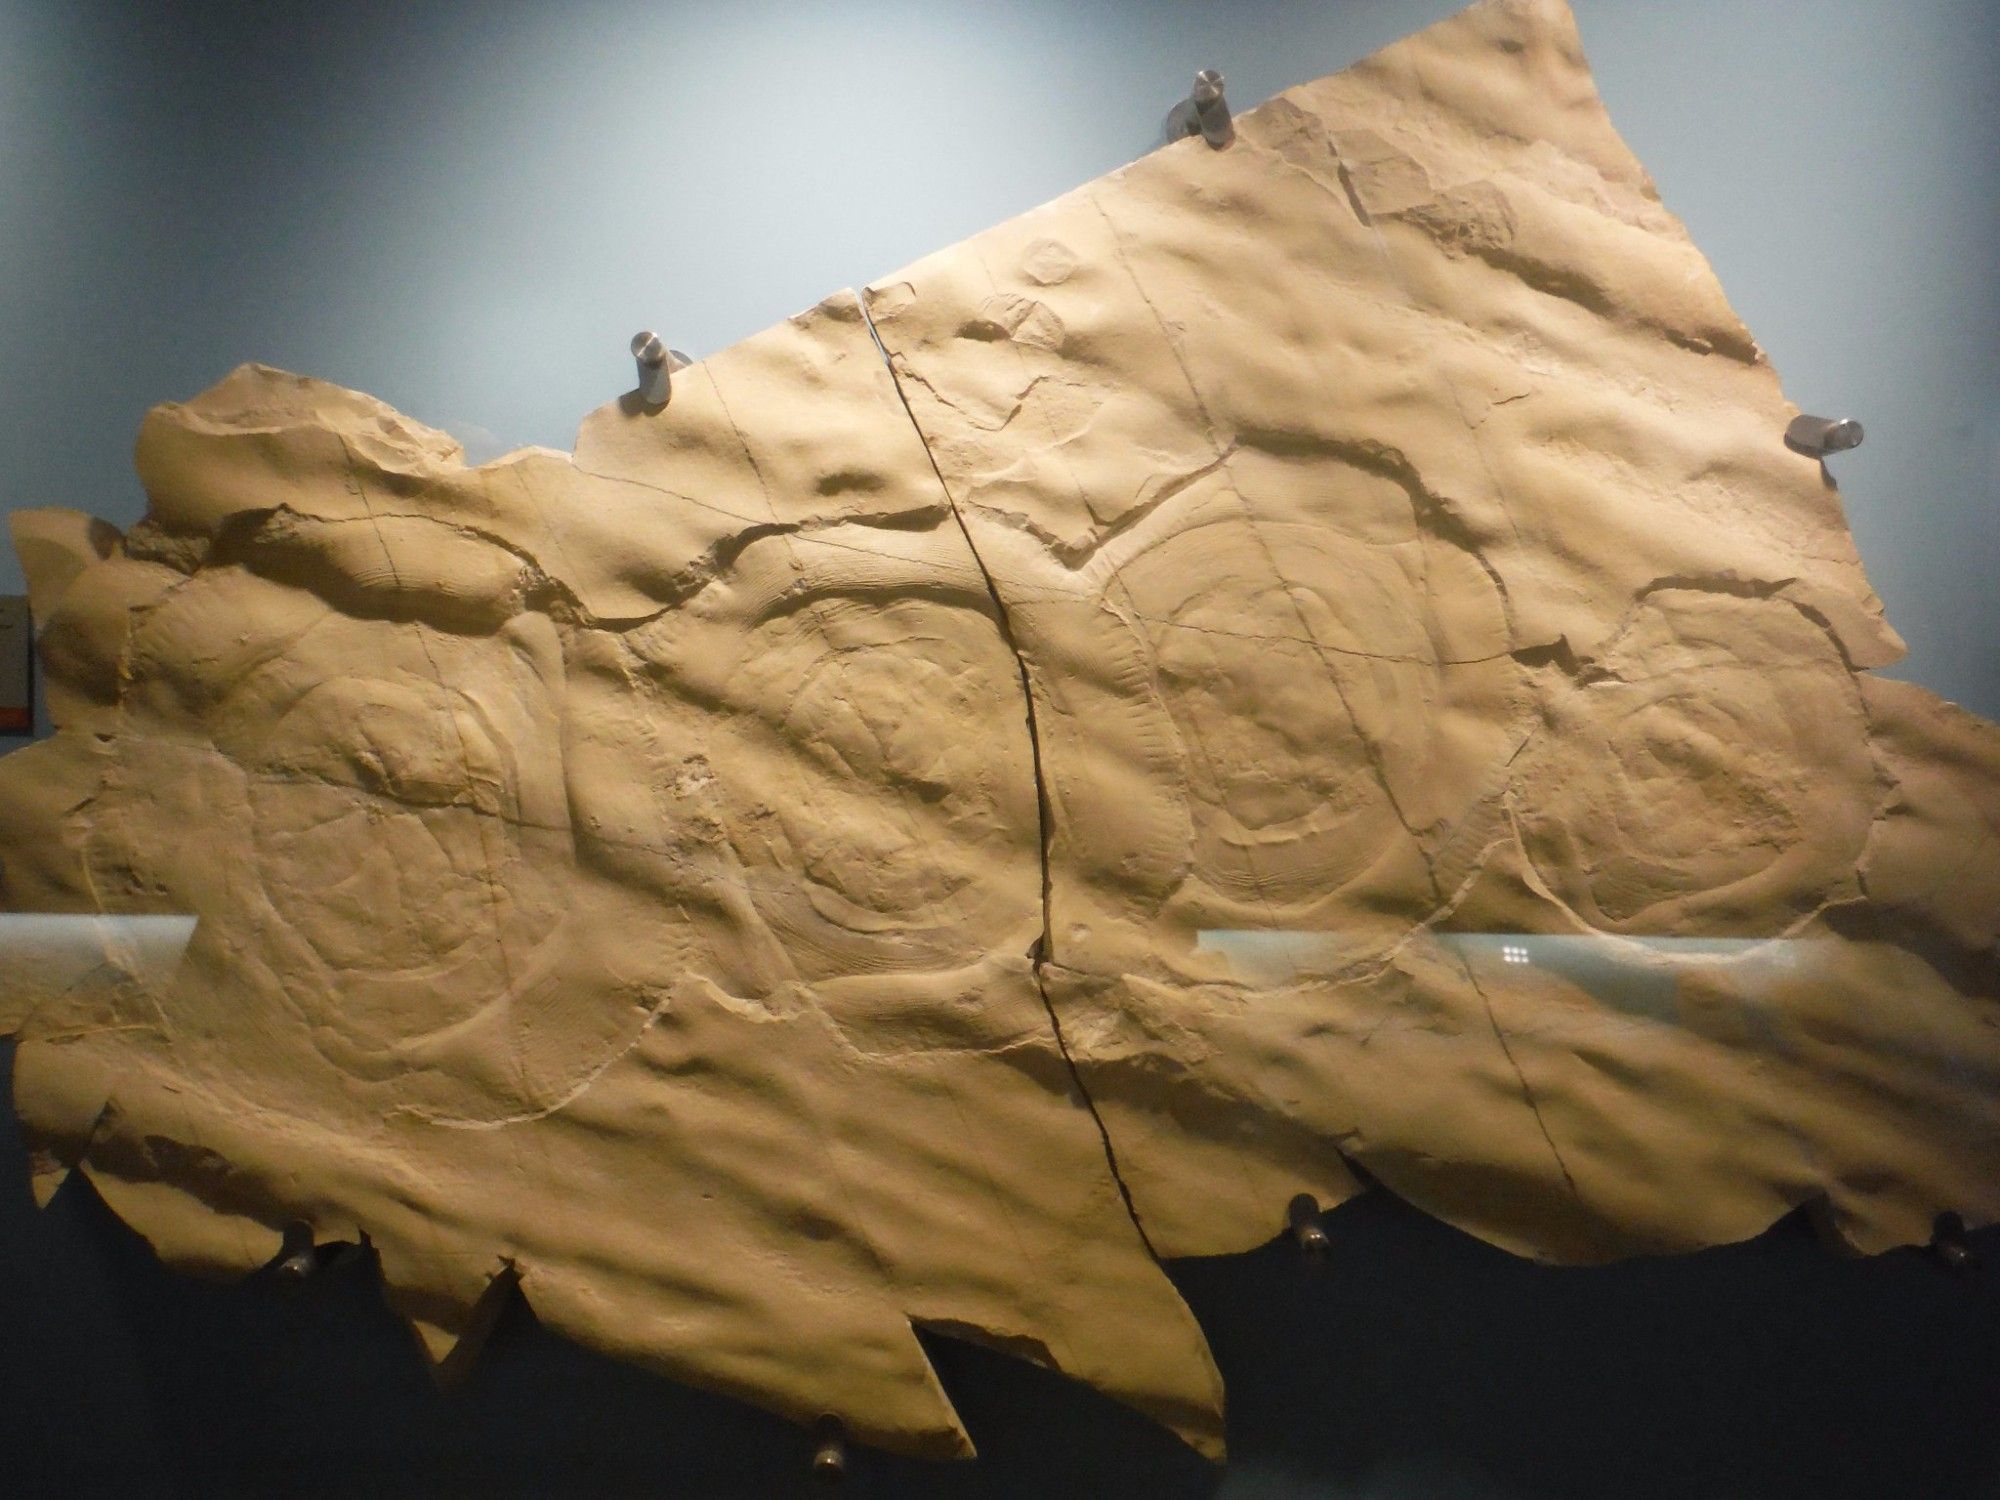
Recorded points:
(1413, 1361)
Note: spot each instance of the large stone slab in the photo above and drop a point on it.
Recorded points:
(616, 872)
(1292, 664)
(1395, 524)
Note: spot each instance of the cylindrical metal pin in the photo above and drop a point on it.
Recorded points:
(1204, 112)
(1816, 437)
(1950, 1245)
(656, 375)
(298, 1258)
(1211, 109)
(1307, 1231)
(829, 1460)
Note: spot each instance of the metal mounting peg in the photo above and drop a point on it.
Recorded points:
(657, 364)
(1816, 437)
(1950, 1245)
(829, 1461)
(1204, 112)
(1307, 1231)
(297, 1258)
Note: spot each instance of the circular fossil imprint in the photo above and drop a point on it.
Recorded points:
(1716, 780)
(1307, 673)
(895, 803)
(385, 849)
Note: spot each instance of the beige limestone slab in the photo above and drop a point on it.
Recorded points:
(614, 875)
(1306, 656)
(1396, 526)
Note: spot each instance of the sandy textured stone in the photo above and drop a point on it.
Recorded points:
(619, 870)
(1394, 520)
(1317, 657)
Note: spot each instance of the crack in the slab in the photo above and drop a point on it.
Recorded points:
(1074, 553)
(563, 1101)
(1042, 952)
(1521, 1077)
(252, 537)
(1002, 620)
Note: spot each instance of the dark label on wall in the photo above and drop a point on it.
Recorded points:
(17, 672)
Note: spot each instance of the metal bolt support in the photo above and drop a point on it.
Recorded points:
(1816, 437)
(298, 1257)
(657, 364)
(829, 1460)
(1950, 1245)
(1204, 112)
(1307, 1231)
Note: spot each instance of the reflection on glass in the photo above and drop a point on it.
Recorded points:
(1637, 975)
(44, 953)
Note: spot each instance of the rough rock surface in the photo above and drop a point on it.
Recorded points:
(1396, 526)
(1295, 657)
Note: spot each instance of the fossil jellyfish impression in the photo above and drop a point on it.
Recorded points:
(1303, 653)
